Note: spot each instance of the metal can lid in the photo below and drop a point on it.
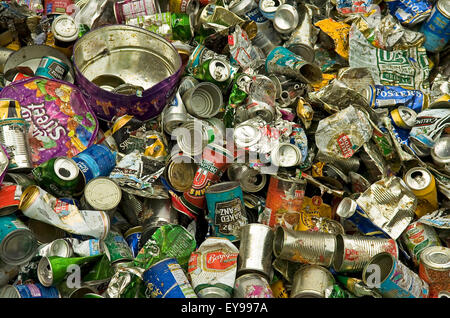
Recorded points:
(102, 193)
(436, 257)
(444, 7)
(219, 70)
(180, 175)
(213, 292)
(270, 6)
(64, 28)
(286, 155)
(418, 178)
(18, 247)
(222, 187)
(45, 272)
(246, 135)
(286, 19)
(66, 169)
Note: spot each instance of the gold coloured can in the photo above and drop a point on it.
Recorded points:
(423, 185)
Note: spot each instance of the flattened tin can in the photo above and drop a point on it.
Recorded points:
(312, 281)
(226, 209)
(353, 253)
(95, 161)
(17, 243)
(13, 136)
(304, 247)
(395, 280)
(252, 286)
(29, 291)
(166, 279)
(417, 237)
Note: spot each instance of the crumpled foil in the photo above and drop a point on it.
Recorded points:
(121, 280)
(389, 204)
(439, 219)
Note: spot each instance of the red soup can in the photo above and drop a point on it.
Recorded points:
(9, 198)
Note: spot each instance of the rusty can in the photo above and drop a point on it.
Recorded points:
(180, 171)
(434, 269)
(312, 281)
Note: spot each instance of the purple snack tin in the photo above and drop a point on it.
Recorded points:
(141, 65)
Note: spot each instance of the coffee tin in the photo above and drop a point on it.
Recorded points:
(29, 291)
(17, 243)
(395, 280)
(52, 67)
(417, 237)
(226, 209)
(13, 136)
(95, 161)
(312, 281)
(166, 279)
(252, 285)
(434, 269)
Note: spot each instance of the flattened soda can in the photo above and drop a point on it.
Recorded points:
(436, 28)
(417, 237)
(53, 68)
(132, 237)
(392, 279)
(117, 248)
(95, 161)
(166, 279)
(29, 291)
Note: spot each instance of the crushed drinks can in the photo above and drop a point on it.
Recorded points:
(13, 136)
(17, 243)
(117, 248)
(226, 209)
(423, 185)
(286, 19)
(29, 291)
(252, 285)
(9, 198)
(306, 247)
(404, 117)
(430, 124)
(268, 8)
(417, 237)
(95, 161)
(255, 249)
(436, 28)
(440, 153)
(52, 67)
(175, 114)
(312, 281)
(132, 237)
(409, 12)
(349, 211)
(281, 61)
(212, 268)
(251, 180)
(284, 201)
(354, 252)
(166, 279)
(434, 269)
(395, 280)
(127, 9)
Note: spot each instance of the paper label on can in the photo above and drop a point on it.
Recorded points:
(35, 292)
(345, 144)
(182, 280)
(409, 282)
(229, 216)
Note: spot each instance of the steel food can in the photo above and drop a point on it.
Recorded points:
(314, 248)
(423, 185)
(395, 279)
(13, 136)
(53, 68)
(29, 291)
(255, 250)
(417, 237)
(436, 28)
(353, 253)
(252, 285)
(132, 237)
(166, 279)
(61, 176)
(174, 115)
(95, 161)
(180, 171)
(117, 249)
(251, 180)
(101, 194)
(203, 100)
(17, 242)
(349, 210)
(9, 198)
(212, 268)
(312, 281)
(434, 269)
(284, 201)
(226, 209)
(127, 9)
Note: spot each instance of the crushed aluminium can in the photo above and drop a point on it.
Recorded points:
(132, 237)
(423, 185)
(95, 161)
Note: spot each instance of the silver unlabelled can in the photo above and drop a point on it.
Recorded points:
(174, 115)
(252, 286)
(440, 153)
(13, 136)
(312, 281)
(101, 194)
(315, 248)
(251, 180)
(61, 248)
(203, 100)
(255, 250)
(286, 19)
(286, 155)
(353, 253)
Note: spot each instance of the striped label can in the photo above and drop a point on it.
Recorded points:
(166, 279)
(29, 291)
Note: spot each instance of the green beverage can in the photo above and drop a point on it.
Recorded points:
(216, 71)
(117, 248)
(60, 176)
(92, 295)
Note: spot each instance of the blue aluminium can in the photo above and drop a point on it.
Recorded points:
(53, 68)
(133, 237)
(349, 210)
(437, 28)
(226, 209)
(166, 279)
(29, 291)
(392, 279)
(95, 161)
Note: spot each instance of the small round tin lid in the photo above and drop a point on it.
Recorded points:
(213, 292)
(102, 193)
(418, 178)
(45, 272)
(64, 28)
(436, 257)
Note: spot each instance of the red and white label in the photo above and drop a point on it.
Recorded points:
(346, 146)
(220, 260)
